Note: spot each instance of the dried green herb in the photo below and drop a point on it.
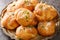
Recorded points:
(26, 17)
(27, 2)
(12, 13)
(43, 27)
(40, 7)
(13, 5)
(26, 12)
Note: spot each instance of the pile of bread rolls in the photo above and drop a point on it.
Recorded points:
(30, 18)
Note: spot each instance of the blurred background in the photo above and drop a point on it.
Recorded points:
(55, 3)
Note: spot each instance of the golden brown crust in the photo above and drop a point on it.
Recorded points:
(26, 33)
(29, 4)
(11, 7)
(45, 12)
(8, 21)
(19, 13)
(46, 28)
(25, 17)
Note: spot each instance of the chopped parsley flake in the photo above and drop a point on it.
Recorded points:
(27, 2)
(26, 12)
(12, 13)
(26, 17)
(13, 5)
(43, 27)
(41, 7)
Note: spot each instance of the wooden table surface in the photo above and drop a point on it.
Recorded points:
(55, 3)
